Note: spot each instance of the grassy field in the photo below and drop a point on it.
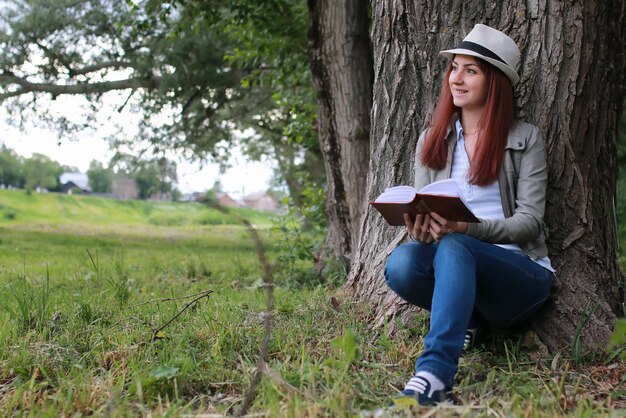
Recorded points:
(85, 282)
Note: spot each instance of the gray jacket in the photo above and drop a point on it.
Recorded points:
(522, 182)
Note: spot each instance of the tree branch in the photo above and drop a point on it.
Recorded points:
(112, 64)
(9, 94)
(83, 88)
(193, 97)
(99, 66)
(119, 109)
(52, 54)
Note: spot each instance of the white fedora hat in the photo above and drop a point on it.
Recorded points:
(491, 45)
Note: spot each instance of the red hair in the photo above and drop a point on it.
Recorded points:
(493, 127)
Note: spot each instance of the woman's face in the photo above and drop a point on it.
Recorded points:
(468, 83)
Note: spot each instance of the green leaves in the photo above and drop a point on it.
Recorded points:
(100, 177)
(347, 348)
(619, 335)
(41, 172)
(347, 344)
(10, 167)
(164, 372)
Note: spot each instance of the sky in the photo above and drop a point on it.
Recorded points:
(242, 178)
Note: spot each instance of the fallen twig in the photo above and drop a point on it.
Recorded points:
(204, 294)
(170, 299)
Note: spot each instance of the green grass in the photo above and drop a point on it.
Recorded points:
(53, 209)
(75, 330)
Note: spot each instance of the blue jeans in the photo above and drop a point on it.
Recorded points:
(462, 280)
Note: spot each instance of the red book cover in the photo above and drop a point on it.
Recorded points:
(442, 197)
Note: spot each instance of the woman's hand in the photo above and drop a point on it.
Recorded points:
(419, 229)
(440, 226)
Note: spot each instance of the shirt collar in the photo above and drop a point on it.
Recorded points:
(459, 130)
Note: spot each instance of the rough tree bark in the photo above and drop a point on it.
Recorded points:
(341, 63)
(572, 86)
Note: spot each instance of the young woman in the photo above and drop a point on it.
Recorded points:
(496, 271)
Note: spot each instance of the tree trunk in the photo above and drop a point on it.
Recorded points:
(341, 64)
(572, 86)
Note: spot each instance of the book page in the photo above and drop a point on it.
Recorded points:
(397, 194)
(447, 187)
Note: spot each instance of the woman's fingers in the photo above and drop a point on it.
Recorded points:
(418, 228)
(424, 233)
(409, 224)
(440, 226)
(428, 227)
(441, 221)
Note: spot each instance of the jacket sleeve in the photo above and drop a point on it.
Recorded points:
(526, 223)
(422, 173)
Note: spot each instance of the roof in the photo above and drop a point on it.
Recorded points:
(256, 196)
(79, 179)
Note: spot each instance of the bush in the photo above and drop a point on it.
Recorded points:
(167, 219)
(213, 218)
(9, 214)
(299, 233)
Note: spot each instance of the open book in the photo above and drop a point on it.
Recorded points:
(442, 197)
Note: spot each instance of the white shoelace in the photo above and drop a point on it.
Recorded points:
(468, 340)
(470, 335)
(419, 383)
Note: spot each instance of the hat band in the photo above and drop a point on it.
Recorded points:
(481, 50)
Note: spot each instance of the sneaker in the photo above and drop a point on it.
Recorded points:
(420, 391)
(470, 338)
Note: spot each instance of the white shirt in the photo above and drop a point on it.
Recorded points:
(484, 201)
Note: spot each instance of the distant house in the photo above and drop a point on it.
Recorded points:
(124, 188)
(71, 188)
(225, 200)
(198, 196)
(158, 196)
(261, 201)
(72, 182)
(187, 197)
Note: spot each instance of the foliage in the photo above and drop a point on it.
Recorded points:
(295, 251)
(197, 71)
(176, 195)
(80, 44)
(100, 177)
(619, 336)
(211, 195)
(300, 232)
(10, 168)
(271, 51)
(268, 49)
(41, 172)
(154, 177)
